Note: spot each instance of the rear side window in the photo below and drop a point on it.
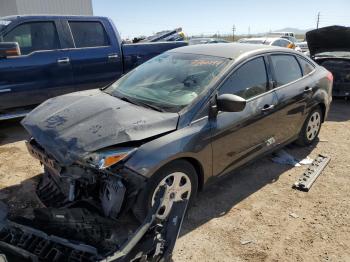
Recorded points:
(307, 67)
(36, 36)
(88, 34)
(286, 69)
(247, 81)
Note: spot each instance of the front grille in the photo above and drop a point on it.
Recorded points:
(40, 247)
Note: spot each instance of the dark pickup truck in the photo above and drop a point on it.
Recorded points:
(46, 56)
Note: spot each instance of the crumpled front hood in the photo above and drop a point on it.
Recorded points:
(69, 127)
(327, 39)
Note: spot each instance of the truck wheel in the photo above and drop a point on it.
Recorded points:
(311, 127)
(181, 182)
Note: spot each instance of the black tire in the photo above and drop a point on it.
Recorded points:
(144, 199)
(305, 137)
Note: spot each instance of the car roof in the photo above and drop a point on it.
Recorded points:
(226, 50)
(43, 16)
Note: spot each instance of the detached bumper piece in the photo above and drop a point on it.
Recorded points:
(306, 180)
(153, 240)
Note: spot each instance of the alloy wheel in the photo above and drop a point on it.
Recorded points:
(178, 187)
(313, 126)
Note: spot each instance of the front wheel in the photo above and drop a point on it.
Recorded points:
(181, 182)
(311, 128)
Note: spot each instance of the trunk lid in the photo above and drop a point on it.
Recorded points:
(328, 39)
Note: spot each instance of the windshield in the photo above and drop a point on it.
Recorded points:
(169, 81)
(335, 54)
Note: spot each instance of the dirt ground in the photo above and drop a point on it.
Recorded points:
(245, 216)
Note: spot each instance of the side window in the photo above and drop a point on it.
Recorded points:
(276, 43)
(34, 36)
(88, 34)
(247, 81)
(284, 43)
(286, 69)
(307, 67)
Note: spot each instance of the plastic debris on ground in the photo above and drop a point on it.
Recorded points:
(293, 215)
(284, 158)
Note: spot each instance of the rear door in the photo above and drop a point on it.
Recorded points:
(294, 91)
(240, 136)
(34, 76)
(96, 56)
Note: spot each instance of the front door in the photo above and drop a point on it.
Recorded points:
(96, 57)
(240, 136)
(34, 76)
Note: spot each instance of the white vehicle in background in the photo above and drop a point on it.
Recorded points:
(287, 35)
(302, 46)
(282, 34)
(273, 41)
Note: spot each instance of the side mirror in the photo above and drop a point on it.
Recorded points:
(230, 103)
(9, 49)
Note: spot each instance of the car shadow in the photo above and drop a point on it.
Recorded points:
(340, 110)
(12, 131)
(21, 199)
(223, 195)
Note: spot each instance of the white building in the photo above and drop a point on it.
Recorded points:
(58, 7)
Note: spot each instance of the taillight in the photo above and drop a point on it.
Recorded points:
(330, 76)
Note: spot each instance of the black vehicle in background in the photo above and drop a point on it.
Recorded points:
(330, 48)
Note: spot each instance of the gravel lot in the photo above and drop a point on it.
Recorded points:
(245, 216)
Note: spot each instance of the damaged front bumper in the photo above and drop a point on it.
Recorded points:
(111, 191)
(153, 240)
(86, 218)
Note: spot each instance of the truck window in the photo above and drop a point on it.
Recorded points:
(34, 36)
(88, 34)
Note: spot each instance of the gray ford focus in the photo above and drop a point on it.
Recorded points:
(181, 119)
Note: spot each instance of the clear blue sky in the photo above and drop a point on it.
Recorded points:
(142, 17)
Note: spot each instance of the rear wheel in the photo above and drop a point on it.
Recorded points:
(181, 182)
(311, 127)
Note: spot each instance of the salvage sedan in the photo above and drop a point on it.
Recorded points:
(180, 120)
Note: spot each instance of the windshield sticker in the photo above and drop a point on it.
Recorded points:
(205, 62)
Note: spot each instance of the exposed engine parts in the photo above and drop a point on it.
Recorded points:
(112, 195)
(81, 235)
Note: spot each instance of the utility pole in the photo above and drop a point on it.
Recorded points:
(233, 33)
(318, 19)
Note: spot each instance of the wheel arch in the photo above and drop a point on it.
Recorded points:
(199, 170)
(323, 110)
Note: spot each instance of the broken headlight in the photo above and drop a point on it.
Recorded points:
(109, 157)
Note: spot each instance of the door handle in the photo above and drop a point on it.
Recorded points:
(308, 89)
(267, 108)
(5, 90)
(113, 56)
(63, 61)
